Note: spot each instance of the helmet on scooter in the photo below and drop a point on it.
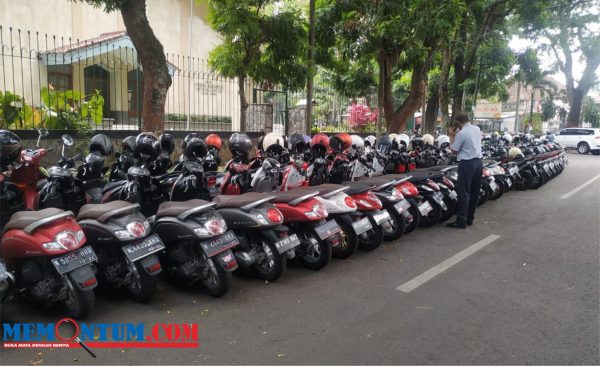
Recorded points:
(259, 143)
(416, 142)
(320, 142)
(403, 139)
(214, 140)
(273, 143)
(129, 144)
(394, 137)
(507, 137)
(443, 141)
(144, 146)
(358, 145)
(195, 148)
(337, 144)
(10, 147)
(240, 143)
(307, 139)
(514, 152)
(296, 144)
(346, 140)
(428, 139)
(370, 141)
(501, 151)
(101, 144)
(188, 138)
(166, 143)
(384, 144)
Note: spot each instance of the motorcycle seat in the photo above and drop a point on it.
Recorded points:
(237, 201)
(323, 189)
(358, 187)
(104, 211)
(292, 197)
(110, 185)
(172, 208)
(22, 219)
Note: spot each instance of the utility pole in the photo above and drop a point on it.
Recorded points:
(311, 66)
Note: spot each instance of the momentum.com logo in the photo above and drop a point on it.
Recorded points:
(67, 333)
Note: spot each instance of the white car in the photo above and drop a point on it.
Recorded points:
(582, 139)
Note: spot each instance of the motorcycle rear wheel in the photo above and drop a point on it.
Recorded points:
(348, 241)
(216, 282)
(415, 223)
(374, 238)
(143, 286)
(433, 217)
(273, 266)
(451, 209)
(398, 226)
(319, 252)
(80, 303)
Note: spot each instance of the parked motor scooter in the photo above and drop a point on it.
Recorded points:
(126, 248)
(197, 244)
(46, 251)
(265, 244)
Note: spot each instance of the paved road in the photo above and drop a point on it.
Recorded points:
(529, 297)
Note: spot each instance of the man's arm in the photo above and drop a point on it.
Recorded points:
(456, 140)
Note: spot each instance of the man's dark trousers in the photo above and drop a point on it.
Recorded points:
(467, 189)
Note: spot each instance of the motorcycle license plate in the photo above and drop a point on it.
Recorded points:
(213, 191)
(72, 261)
(402, 206)
(144, 248)
(493, 186)
(220, 244)
(288, 243)
(438, 197)
(425, 208)
(328, 229)
(453, 195)
(362, 226)
(383, 216)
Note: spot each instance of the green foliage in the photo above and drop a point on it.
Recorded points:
(536, 126)
(13, 110)
(198, 118)
(548, 109)
(70, 110)
(591, 113)
(260, 39)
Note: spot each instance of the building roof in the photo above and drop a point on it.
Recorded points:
(79, 45)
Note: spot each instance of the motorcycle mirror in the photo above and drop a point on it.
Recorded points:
(67, 140)
(42, 132)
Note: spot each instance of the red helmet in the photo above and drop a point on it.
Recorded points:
(346, 139)
(320, 139)
(213, 140)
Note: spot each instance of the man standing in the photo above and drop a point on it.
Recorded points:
(465, 141)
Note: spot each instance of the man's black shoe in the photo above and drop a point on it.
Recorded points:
(457, 225)
(469, 222)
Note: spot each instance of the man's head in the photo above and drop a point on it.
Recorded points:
(461, 118)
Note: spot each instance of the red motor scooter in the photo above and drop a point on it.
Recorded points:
(305, 216)
(46, 251)
(27, 173)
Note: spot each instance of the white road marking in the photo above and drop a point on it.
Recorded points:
(569, 194)
(443, 266)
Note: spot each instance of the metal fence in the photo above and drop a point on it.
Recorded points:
(96, 84)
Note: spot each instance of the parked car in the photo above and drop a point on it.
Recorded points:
(585, 140)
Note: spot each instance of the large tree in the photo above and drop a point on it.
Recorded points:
(151, 54)
(401, 36)
(567, 30)
(263, 40)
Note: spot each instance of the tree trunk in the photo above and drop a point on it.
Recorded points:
(443, 87)
(243, 102)
(399, 118)
(430, 117)
(154, 63)
(531, 106)
(310, 66)
(575, 105)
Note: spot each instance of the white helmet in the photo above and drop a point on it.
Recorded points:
(370, 141)
(428, 139)
(271, 139)
(358, 145)
(443, 139)
(403, 138)
(507, 137)
(514, 152)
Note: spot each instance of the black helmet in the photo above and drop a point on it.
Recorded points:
(144, 146)
(296, 143)
(384, 144)
(188, 138)
(240, 142)
(416, 141)
(195, 148)
(129, 144)
(10, 147)
(166, 143)
(259, 144)
(336, 144)
(101, 144)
